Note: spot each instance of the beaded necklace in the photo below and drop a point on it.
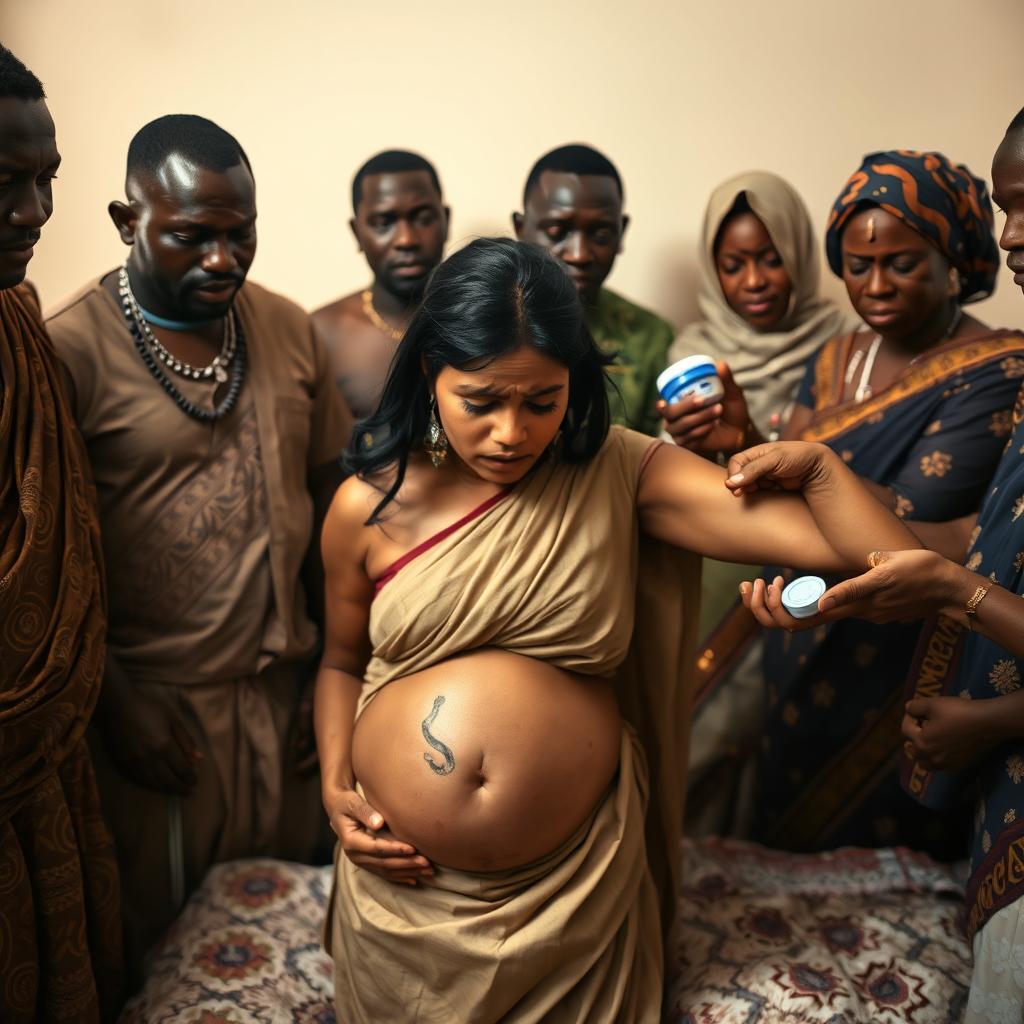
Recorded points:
(232, 354)
(215, 369)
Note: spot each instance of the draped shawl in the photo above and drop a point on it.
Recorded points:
(768, 365)
(58, 896)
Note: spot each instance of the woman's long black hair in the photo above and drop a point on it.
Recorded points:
(487, 299)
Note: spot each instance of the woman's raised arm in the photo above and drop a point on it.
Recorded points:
(788, 503)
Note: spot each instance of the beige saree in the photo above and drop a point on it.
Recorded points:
(555, 570)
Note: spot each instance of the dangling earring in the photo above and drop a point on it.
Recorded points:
(436, 442)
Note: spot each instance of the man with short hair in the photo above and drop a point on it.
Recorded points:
(400, 224)
(214, 433)
(573, 206)
(60, 927)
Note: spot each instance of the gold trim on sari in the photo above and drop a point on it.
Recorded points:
(832, 419)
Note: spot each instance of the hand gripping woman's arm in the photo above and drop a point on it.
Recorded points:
(831, 525)
(349, 592)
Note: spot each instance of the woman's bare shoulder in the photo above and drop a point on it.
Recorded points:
(347, 527)
(357, 498)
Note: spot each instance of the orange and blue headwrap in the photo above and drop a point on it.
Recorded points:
(944, 203)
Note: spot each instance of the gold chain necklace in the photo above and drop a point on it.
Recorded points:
(377, 320)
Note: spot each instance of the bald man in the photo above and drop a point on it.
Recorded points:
(214, 430)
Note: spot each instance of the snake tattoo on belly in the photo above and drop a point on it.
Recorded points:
(445, 751)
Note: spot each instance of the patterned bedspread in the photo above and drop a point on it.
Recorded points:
(762, 938)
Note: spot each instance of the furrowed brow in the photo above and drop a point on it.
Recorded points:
(476, 392)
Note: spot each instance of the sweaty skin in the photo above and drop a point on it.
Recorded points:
(192, 233)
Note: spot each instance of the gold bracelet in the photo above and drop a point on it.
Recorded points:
(971, 608)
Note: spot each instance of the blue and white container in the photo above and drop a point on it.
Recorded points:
(692, 377)
(801, 597)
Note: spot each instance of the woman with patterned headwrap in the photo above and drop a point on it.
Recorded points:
(918, 402)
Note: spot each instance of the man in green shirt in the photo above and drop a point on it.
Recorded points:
(572, 205)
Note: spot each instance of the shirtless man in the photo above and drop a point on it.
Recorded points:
(400, 224)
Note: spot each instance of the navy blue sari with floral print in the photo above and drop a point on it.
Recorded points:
(952, 661)
(828, 766)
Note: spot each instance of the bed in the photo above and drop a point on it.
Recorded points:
(762, 938)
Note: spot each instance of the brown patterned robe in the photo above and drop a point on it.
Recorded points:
(60, 928)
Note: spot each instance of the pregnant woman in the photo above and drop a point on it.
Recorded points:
(511, 588)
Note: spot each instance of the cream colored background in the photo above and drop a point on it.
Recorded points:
(679, 94)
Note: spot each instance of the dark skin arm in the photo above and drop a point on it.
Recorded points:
(952, 733)
(947, 733)
(950, 539)
(904, 586)
(752, 519)
(709, 427)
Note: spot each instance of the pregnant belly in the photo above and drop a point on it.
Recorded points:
(487, 761)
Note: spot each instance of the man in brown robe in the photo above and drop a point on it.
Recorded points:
(400, 224)
(60, 934)
(214, 431)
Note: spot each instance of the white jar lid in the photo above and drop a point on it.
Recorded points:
(801, 597)
(685, 366)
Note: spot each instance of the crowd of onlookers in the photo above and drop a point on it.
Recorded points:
(211, 416)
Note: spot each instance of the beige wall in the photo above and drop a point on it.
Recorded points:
(680, 94)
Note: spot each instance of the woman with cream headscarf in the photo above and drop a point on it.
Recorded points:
(763, 320)
(762, 314)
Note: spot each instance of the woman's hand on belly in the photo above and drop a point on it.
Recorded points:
(367, 843)
(489, 760)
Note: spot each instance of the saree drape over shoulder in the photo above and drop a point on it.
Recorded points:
(554, 570)
(60, 930)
